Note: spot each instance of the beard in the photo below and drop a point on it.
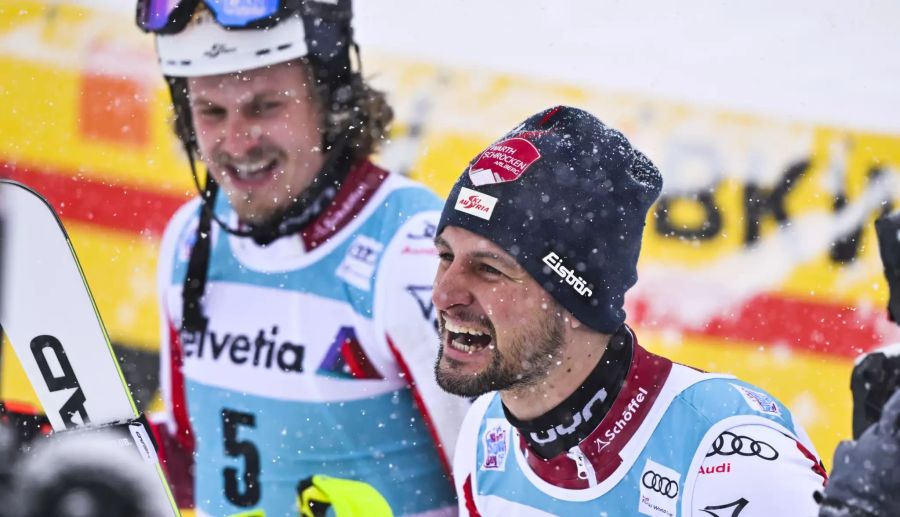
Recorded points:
(257, 204)
(528, 358)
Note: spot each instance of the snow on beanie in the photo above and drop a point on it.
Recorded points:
(567, 197)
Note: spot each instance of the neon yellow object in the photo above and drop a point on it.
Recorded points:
(348, 498)
(251, 513)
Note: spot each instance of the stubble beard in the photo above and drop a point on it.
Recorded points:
(530, 357)
(256, 207)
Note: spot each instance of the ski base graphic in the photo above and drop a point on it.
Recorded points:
(49, 317)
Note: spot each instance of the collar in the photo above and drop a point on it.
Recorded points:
(357, 189)
(602, 448)
(573, 419)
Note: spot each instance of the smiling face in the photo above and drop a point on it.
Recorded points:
(499, 329)
(259, 135)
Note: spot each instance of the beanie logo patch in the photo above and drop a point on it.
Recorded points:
(554, 262)
(475, 203)
(503, 161)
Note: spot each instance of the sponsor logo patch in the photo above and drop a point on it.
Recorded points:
(660, 487)
(496, 444)
(503, 161)
(358, 266)
(475, 203)
(420, 241)
(758, 401)
(427, 232)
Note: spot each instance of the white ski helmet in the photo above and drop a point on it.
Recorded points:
(206, 48)
(209, 37)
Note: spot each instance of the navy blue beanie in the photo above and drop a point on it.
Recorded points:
(567, 197)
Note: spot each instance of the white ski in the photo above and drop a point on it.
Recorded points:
(49, 316)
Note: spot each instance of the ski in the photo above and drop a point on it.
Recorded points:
(50, 319)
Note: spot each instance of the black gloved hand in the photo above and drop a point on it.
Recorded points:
(875, 378)
(865, 477)
(887, 228)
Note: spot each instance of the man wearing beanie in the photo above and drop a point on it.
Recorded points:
(539, 241)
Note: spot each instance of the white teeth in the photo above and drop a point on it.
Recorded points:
(462, 347)
(246, 170)
(459, 329)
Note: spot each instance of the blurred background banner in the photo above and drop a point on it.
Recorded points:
(776, 127)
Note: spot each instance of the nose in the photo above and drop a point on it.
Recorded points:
(239, 136)
(450, 289)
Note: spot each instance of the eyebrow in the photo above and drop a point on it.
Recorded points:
(505, 261)
(257, 97)
(203, 101)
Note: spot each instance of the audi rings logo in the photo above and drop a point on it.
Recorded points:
(661, 484)
(730, 444)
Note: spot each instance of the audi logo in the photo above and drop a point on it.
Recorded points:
(661, 484)
(730, 444)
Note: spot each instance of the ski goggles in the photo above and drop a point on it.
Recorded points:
(172, 16)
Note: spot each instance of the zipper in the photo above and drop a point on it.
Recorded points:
(585, 469)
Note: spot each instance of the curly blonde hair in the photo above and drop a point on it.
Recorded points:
(358, 108)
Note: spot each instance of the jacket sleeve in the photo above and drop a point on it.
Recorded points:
(403, 298)
(171, 427)
(754, 470)
(864, 480)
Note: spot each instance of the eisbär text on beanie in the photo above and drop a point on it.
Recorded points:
(567, 197)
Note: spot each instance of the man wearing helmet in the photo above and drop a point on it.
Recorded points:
(298, 334)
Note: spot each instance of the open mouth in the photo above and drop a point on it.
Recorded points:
(251, 173)
(466, 339)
